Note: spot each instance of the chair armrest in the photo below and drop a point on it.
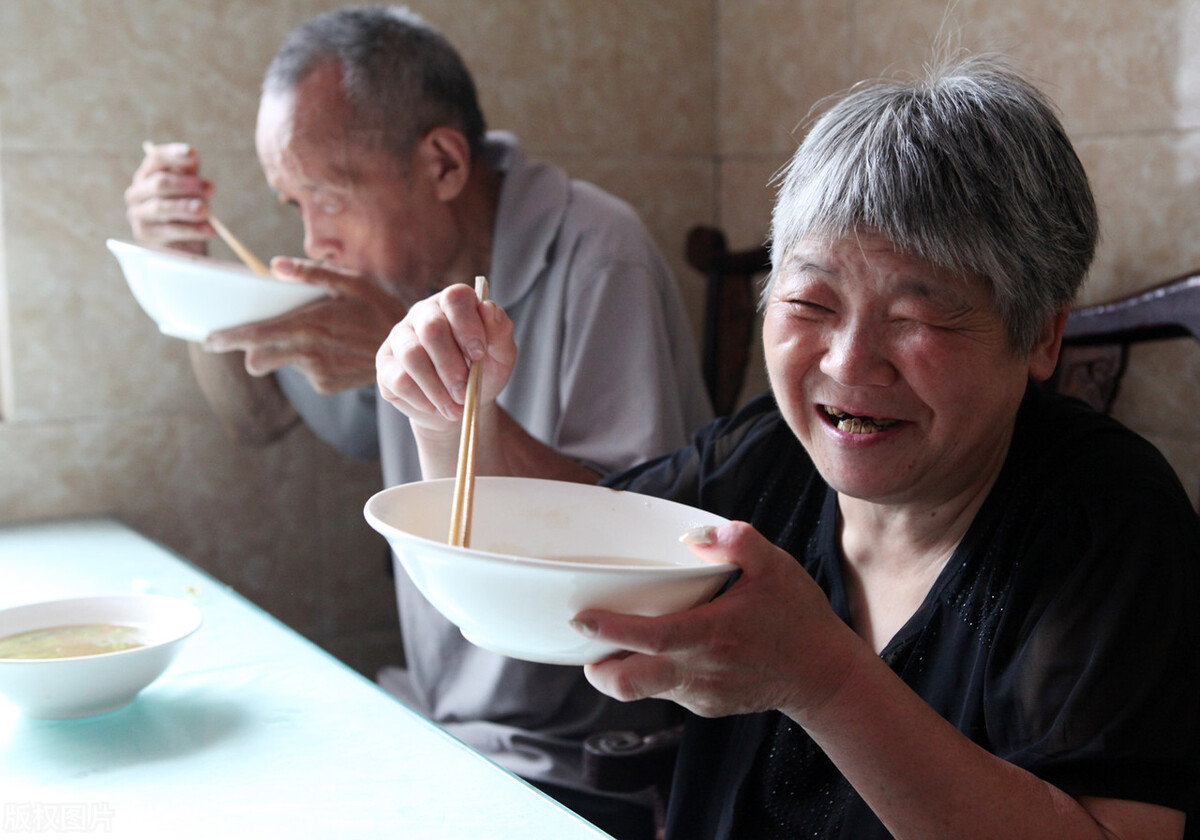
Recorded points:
(623, 762)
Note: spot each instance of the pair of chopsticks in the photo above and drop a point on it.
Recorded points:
(244, 254)
(464, 477)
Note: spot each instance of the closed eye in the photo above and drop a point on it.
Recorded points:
(809, 307)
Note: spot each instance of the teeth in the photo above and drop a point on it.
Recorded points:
(859, 425)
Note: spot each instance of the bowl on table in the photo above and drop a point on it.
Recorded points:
(84, 656)
(542, 551)
(190, 296)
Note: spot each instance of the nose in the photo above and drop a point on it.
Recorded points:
(856, 354)
(321, 240)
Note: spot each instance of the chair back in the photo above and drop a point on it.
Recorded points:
(1096, 339)
(729, 310)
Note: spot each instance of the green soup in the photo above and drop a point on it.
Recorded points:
(71, 640)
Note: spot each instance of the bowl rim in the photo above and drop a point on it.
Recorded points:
(700, 567)
(184, 257)
(243, 272)
(194, 621)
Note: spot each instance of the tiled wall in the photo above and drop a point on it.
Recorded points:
(684, 107)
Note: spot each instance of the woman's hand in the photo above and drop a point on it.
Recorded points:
(771, 641)
(422, 366)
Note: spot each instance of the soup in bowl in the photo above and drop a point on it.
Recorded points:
(85, 656)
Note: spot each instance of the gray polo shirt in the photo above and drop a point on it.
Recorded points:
(607, 373)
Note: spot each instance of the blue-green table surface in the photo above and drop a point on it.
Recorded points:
(252, 732)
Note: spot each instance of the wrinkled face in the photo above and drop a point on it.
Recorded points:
(898, 377)
(362, 208)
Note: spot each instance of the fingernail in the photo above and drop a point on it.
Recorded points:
(704, 535)
(584, 626)
(195, 205)
(283, 265)
(475, 350)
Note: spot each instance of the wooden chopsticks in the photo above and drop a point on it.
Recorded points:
(244, 254)
(464, 478)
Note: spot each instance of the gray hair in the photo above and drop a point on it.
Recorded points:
(969, 170)
(401, 76)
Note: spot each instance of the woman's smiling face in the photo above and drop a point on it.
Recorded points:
(898, 377)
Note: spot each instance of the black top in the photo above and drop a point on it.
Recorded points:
(1062, 635)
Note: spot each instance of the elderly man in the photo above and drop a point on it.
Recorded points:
(369, 126)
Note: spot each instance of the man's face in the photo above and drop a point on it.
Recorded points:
(363, 208)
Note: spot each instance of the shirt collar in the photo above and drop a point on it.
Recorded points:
(533, 203)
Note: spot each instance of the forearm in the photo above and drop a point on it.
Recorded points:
(253, 410)
(924, 779)
(503, 447)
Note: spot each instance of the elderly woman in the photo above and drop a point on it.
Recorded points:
(966, 608)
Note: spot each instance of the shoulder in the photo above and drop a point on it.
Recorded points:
(1070, 458)
(726, 462)
(598, 224)
(1082, 580)
(1095, 518)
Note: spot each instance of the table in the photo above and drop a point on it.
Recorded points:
(253, 731)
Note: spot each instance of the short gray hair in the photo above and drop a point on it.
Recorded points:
(969, 169)
(400, 75)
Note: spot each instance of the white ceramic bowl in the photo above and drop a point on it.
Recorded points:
(190, 296)
(79, 686)
(541, 551)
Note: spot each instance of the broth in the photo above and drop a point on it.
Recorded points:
(71, 640)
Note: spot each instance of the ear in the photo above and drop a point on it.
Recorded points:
(445, 156)
(1044, 356)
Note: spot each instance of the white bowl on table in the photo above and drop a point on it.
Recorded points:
(79, 686)
(542, 551)
(190, 296)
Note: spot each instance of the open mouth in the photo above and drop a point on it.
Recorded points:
(857, 424)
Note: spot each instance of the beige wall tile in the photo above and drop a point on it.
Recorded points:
(82, 347)
(1146, 189)
(106, 74)
(68, 298)
(775, 60)
(747, 196)
(1110, 65)
(614, 76)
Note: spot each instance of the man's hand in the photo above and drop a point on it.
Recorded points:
(167, 202)
(332, 341)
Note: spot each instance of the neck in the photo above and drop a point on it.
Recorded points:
(475, 211)
(904, 538)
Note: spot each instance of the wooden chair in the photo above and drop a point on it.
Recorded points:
(1096, 339)
(729, 311)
